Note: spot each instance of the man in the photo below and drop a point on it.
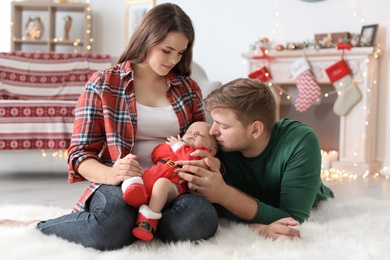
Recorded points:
(270, 169)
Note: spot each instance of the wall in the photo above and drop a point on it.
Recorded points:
(224, 30)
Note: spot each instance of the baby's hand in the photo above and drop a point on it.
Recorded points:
(172, 140)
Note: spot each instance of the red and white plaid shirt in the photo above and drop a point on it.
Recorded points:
(105, 123)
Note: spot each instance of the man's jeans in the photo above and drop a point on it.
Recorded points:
(109, 222)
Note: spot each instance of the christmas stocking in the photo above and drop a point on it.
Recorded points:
(262, 74)
(348, 93)
(308, 89)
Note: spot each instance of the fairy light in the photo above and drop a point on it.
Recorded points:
(88, 28)
(333, 175)
(61, 154)
(372, 83)
(357, 12)
(276, 24)
(88, 31)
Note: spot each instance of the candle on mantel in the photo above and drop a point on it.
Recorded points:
(333, 157)
(325, 164)
(328, 158)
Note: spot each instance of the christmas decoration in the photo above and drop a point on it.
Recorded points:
(262, 74)
(308, 89)
(344, 46)
(348, 93)
(263, 55)
(279, 47)
(330, 40)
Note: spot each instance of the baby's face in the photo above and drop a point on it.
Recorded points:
(198, 135)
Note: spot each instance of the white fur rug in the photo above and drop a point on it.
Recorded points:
(337, 229)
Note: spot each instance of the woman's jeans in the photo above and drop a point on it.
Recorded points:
(109, 222)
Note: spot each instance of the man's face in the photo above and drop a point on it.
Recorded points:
(229, 132)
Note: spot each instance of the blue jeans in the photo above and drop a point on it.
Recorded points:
(109, 222)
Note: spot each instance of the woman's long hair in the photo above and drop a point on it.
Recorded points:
(154, 28)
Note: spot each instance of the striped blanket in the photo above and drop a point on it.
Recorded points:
(38, 95)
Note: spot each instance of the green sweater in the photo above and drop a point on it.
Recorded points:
(284, 179)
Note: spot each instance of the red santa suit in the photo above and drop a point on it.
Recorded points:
(165, 158)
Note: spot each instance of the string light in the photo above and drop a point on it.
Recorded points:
(290, 95)
(333, 174)
(89, 27)
(61, 154)
(76, 43)
(88, 30)
(369, 77)
(357, 12)
(277, 16)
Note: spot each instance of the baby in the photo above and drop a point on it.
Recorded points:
(160, 184)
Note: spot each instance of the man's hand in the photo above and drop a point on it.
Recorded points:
(281, 228)
(201, 163)
(204, 181)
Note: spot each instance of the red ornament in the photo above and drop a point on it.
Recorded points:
(265, 40)
(280, 47)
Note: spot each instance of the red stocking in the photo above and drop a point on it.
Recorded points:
(308, 89)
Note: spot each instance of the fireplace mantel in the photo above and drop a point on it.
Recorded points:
(358, 128)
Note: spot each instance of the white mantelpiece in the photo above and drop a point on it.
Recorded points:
(358, 128)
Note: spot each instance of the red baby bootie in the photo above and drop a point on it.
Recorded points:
(134, 192)
(147, 221)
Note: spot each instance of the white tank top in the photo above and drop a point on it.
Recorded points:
(154, 125)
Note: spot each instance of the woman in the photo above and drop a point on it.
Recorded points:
(122, 114)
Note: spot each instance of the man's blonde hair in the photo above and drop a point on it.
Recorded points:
(250, 100)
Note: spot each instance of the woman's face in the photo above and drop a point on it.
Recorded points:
(164, 56)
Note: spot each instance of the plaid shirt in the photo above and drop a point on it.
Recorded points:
(105, 123)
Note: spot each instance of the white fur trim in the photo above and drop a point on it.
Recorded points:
(177, 145)
(299, 66)
(148, 213)
(128, 182)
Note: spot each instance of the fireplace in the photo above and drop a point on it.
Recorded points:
(319, 116)
(352, 135)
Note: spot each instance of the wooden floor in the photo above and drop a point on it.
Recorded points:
(53, 189)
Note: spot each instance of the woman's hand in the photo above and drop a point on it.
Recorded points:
(124, 168)
(281, 228)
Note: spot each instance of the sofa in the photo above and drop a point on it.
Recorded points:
(200, 76)
(38, 95)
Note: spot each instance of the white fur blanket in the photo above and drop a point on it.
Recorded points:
(337, 229)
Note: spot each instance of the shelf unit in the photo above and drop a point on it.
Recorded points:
(52, 18)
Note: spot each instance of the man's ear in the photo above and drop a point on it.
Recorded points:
(257, 128)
